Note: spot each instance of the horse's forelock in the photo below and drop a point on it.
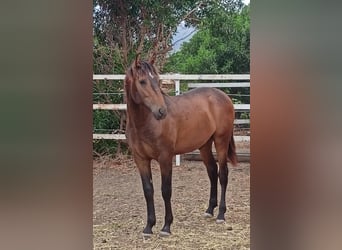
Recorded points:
(147, 67)
(144, 68)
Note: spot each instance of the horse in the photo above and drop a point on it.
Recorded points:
(159, 126)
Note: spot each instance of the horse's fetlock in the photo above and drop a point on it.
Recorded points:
(223, 209)
(151, 221)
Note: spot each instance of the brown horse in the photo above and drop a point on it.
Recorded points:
(160, 126)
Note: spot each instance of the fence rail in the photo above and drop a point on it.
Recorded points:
(237, 138)
(121, 106)
(220, 85)
(243, 77)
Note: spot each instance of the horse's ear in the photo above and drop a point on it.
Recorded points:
(137, 62)
(153, 58)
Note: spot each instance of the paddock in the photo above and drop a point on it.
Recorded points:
(119, 213)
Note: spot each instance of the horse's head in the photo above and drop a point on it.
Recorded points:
(142, 86)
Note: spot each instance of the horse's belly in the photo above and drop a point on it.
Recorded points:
(183, 148)
(193, 137)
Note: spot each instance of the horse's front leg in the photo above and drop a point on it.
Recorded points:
(166, 187)
(144, 167)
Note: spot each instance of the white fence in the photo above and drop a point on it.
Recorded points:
(241, 80)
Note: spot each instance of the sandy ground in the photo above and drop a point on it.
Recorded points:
(119, 210)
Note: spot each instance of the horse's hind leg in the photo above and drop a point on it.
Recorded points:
(210, 163)
(221, 144)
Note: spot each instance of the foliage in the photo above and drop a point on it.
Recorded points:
(221, 46)
(108, 121)
(141, 26)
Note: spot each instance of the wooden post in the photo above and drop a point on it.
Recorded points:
(177, 90)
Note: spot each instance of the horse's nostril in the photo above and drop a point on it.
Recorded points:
(162, 111)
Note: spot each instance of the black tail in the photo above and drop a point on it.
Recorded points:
(231, 151)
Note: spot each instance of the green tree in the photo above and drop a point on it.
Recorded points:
(141, 26)
(221, 45)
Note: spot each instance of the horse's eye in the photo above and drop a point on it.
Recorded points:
(142, 82)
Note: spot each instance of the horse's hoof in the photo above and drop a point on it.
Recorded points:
(164, 234)
(220, 221)
(147, 235)
(207, 215)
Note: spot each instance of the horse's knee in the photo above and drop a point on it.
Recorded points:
(149, 193)
(147, 187)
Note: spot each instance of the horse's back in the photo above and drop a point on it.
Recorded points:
(204, 92)
(200, 113)
(212, 100)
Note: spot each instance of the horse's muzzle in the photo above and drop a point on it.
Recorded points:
(160, 113)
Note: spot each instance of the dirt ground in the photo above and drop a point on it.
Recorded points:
(119, 209)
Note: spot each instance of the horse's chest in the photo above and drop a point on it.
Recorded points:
(144, 141)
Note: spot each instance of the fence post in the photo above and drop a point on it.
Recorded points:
(177, 90)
